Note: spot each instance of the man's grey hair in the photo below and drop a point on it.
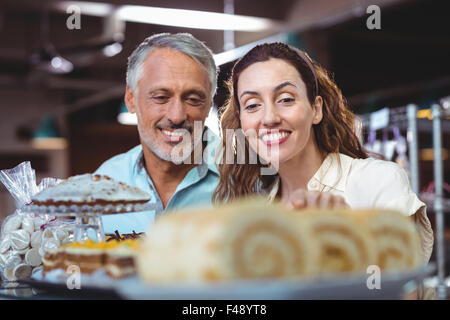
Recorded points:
(181, 42)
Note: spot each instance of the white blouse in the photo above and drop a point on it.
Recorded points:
(369, 183)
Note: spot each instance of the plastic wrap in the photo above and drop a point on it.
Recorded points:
(55, 234)
(22, 234)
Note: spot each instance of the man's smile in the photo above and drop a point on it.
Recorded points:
(173, 135)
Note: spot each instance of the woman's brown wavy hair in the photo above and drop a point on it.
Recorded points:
(336, 133)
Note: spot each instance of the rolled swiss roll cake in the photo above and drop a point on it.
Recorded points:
(248, 239)
(344, 246)
(397, 240)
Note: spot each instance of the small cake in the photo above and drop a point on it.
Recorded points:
(88, 256)
(397, 239)
(249, 239)
(90, 189)
(52, 260)
(343, 245)
(120, 262)
(116, 258)
(244, 239)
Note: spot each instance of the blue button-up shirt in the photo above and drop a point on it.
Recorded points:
(194, 190)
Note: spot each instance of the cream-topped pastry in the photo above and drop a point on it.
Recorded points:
(90, 189)
(115, 257)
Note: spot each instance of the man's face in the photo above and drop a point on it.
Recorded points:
(172, 93)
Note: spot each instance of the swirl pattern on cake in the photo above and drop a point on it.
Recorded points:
(244, 240)
(397, 239)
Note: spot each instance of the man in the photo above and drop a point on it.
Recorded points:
(171, 81)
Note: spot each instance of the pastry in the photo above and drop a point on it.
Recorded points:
(12, 261)
(21, 252)
(88, 256)
(22, 271)
(33, 258)
(52, 259)
(5, 244)
(28, 225)
(20, 239)
(90, 189)
(12, 223)
(16, 247)
(48, 244)
(344, 246)
(2, 261)
(249, 239)
(117, 258)
(120, 261)
(9, 275)
(397, 240)
(36, 239)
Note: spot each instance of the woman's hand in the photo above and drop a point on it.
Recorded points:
(302, 198)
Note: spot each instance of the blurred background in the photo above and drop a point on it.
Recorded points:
(63, 63)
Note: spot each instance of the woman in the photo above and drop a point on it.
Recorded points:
(296, 118)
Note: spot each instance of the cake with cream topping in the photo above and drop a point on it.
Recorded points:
(120, 262)
(116, 258)
(90, 189)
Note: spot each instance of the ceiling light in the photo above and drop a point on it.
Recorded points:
(236, 53)
(47, 136)
(49, 60)
(125, 117)
(49, 143)
(193, 19)
(112, 49)
(175, 17)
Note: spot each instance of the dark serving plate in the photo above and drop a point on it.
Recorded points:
(46, 289)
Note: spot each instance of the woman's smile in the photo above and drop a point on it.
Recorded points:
(274, 137)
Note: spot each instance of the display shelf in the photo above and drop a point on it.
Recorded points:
(406, 118)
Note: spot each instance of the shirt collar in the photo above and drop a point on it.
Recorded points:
(334, 171)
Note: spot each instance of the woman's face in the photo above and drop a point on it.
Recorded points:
(275, 112)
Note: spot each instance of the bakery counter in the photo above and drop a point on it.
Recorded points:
(394, 286)
(243, 250)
